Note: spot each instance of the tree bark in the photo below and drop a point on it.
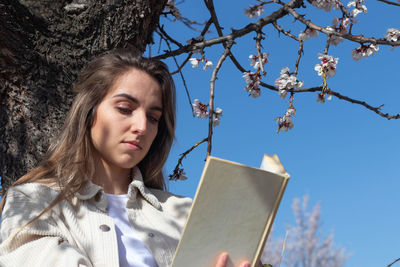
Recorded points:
(43, 45)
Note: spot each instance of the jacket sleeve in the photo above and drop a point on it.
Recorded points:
(39, 244)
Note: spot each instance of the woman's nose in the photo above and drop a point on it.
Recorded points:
(139, 122)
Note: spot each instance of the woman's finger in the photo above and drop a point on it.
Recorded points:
(222, 260)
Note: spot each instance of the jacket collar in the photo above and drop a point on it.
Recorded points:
(91, 190)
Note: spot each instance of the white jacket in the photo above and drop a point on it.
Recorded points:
(80, 233)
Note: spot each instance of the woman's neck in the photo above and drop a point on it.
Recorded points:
(113, 180)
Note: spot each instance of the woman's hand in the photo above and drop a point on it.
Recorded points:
(223, 260)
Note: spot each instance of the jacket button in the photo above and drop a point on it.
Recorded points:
(151, 235)
(104, 228)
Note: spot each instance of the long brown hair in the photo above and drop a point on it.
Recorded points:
(69, 163)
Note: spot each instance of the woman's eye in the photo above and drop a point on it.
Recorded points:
(154, 119)
(124, 111)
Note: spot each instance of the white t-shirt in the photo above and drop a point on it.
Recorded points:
(132, 251)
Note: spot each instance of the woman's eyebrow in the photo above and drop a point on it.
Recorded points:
(134, 100)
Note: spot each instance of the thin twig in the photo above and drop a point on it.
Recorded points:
(214, 17)
(259, 37)
(212, 89)
(183, 64)
(390, 2)
(165, 35)
(300, 53)
(174, 175)
(287, 33)
(328, 42)
(348, 99)
(394, 262)
(183, 80)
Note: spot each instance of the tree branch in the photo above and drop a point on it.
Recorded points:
(355, 38)
(252, 27)
(212, 88)
(390, 2)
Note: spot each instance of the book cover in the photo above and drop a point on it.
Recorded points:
(233, 211)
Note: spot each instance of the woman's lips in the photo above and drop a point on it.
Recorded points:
(132, 145)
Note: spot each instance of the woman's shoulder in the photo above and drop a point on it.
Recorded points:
(165, 196)
(32, 191)
(28, 196)
(172, 202)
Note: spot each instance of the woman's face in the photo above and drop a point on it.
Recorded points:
(126, 120)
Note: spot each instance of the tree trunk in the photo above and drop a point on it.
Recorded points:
(43, 45)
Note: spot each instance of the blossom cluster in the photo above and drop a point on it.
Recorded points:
(255, 60)
(359, 7)
(326, 4)
(364, 51)
(307, 33)
(253, 83)
(195, 63)
(392, 35)
(327, 66)
(340, 26)
(254, 11)
(286, 82)
(179, 174)
(286, 123)
(200, 110)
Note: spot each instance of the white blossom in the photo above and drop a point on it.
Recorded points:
(327, 66)
(217, 116)
(392, 35)
(255, 61)
(254, 11)
(253, 82)
(285, 123)
(307, 33)
(291, 111)
(286, 82)
(364, 51)
(335, 40)
(359, 7)
(329, 95)
(208, 65)
(340, 26)
(194, 62)
(199, 109)
(326, 4)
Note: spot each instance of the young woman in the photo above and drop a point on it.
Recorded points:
(98, 198)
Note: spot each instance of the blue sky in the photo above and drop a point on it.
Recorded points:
(338, 153)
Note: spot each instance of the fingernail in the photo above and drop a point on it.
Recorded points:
(246, 264)
(225, 257)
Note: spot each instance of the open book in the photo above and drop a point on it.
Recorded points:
(233, 211)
